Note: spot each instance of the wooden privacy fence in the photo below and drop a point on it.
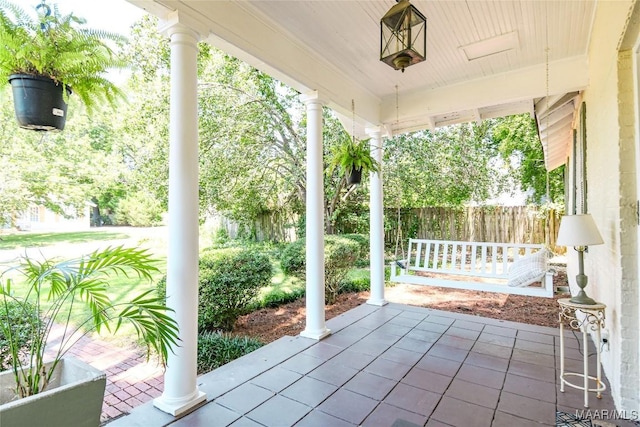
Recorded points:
(508, 224)
(501, 224)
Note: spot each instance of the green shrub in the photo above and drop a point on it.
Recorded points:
(340, 255)
(278, 297)
(229, 280)
(356, 281)
(139, 210)
(216, 349)
(293, 258)
(363, 242)
(229, 285)
(221, 236)
(23, 320)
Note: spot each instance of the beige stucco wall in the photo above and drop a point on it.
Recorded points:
(611, 196)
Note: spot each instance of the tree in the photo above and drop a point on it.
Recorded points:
(450, 166)
(252, 131)
(518, 143)
(252, 154)
(61, 171)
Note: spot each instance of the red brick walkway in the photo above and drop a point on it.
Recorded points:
(131, 380)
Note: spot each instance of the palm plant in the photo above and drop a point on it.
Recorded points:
(55, 46)
(54, 289)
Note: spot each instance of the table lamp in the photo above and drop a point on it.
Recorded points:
(579, 231)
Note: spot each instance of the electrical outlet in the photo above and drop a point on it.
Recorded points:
(604, 337)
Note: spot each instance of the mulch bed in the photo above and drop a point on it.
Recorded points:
(270, 324)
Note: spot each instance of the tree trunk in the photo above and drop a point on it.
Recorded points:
(95, 213)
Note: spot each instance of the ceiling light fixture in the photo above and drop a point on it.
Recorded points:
(403, 36)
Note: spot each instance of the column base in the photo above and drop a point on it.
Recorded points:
(318, 334)
(177, 407)
(379, 302)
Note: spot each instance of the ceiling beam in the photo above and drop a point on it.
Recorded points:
(518, 85)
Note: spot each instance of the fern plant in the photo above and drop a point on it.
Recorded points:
(55, 289)
(353, 154)
(58, 47)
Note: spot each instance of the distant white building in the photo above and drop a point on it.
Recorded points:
(39, 218)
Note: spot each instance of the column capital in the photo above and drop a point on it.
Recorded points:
(312, 97)
(374, 131)
(179, 22)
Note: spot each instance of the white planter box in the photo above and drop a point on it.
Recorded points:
(73, 398)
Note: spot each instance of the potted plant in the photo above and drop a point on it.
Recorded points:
(353, 157)
(70, 298)
(47, 56)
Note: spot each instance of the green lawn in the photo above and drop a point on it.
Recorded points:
(30, 240)
(283, 288)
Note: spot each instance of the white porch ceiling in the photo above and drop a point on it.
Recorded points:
(332, 46)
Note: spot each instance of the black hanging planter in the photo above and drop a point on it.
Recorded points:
(38, 102)
(355, 176)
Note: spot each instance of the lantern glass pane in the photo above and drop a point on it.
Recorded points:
(396, 14)
(418, 39)
(391, 43)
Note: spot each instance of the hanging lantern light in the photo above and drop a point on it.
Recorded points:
(403, 36)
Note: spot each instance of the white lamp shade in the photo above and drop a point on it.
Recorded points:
(578, 230)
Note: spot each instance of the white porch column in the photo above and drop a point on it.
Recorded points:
(315, 323)
(180, 389)
(376, 223)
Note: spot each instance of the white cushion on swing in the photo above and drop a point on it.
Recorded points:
(528, 269)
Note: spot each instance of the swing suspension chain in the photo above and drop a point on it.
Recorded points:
(399, 222)
(399, 236)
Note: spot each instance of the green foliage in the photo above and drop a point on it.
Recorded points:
(148, 51)
(229, 282)
(340, 255)
(55, 288)
(139, 210)
(221, 237)
(293, 258)
(520, 147)
(363, 243)
(450, 166)
(252, 151)
(352, 218)
(18, 324)
(216, 349)
(58, 47)
(277, 297)
(356, 281)
(352, 154)
(62, 170)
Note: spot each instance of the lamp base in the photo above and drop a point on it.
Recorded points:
(582, 298)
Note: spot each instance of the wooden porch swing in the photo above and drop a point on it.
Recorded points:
(481, 266)
(512, 268)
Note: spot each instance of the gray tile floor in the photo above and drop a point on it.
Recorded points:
(394, 366)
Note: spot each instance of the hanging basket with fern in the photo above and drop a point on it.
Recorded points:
(353, 157)
(47, 56)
